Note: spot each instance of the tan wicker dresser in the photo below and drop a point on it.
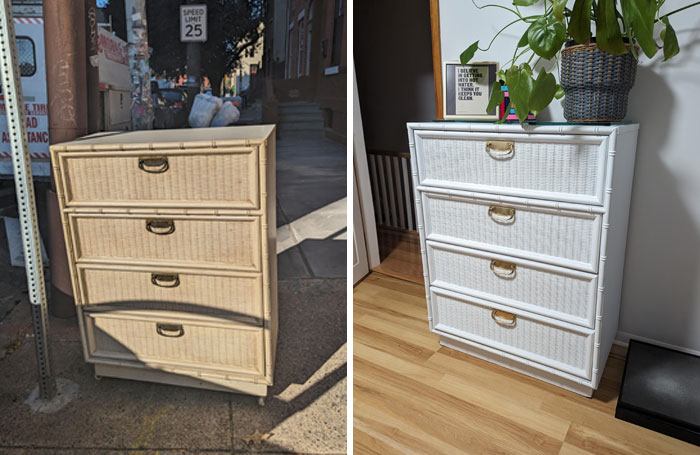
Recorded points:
(171, 244)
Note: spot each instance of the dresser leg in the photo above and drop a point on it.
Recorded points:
(261, 401)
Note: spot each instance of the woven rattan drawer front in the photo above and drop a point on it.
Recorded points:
(201, 241)
(560, 237)
(226, 178)
(557, 292)
(224, 295)
(235, 349)
(545, 166)
(566, 347)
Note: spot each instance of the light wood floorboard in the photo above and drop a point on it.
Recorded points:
(412, 396)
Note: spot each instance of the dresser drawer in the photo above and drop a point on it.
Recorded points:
(225, 178)
(564, 347)
(561, 237)
(163, 341)
(544, 166)
(224, 295)
(202, 241)
(557, 292)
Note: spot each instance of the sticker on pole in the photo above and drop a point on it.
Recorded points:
(193, 23)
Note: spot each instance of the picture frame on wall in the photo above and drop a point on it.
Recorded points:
(467, 89)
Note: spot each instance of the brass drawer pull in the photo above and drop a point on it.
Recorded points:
(170, 330)
(500, 149)
(165, 281)
(160, 227)
(503, 318)
(503, 269)
(502, 214)
(155, 165)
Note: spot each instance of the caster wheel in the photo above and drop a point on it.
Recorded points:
(97, 377)
(261, 401)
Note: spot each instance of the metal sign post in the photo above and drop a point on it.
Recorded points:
(24, 187)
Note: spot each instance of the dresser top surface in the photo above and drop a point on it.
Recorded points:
(191, 136)
(527, 128)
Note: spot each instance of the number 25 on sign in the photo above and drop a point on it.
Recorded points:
(193, 23)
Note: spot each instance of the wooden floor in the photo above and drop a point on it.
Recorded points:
(399, 253)
(412, 396)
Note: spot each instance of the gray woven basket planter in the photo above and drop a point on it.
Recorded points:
(596, 84)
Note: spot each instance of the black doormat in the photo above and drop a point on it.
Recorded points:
(661, 391)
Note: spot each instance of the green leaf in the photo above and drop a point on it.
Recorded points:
(546, 36)
(640, 15)
(558, 9)
(559, 94)
(524, 2)
(496, 98)
(523, 40)
(519, 88)
(500, 75)
(542, 92)
(468, 53)
(668, 35)
(526, 66)
(608, 35)
(580, 21)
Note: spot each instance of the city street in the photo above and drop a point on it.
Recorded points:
(305, 411)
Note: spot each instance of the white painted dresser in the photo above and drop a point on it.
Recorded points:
(523, 232)
(171, 240)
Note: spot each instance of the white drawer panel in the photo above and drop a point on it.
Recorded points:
(545, 166)
(564, 347)
(560, 237)
(557, 292)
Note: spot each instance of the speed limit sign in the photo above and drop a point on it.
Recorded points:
(193, 23)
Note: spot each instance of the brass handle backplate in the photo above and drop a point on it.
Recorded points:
(503, 269)
(501, 214)
(154, 165)
(165, 281)
(500, 149)
(503, 318)
(170, 330)
(160, 227)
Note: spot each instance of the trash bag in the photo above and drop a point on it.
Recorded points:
(203, 110)
(227, 115)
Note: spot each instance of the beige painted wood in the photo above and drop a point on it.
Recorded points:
(222, 242)
(413, 396)
(222, 250)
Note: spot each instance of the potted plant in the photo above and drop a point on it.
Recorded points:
(596, 72)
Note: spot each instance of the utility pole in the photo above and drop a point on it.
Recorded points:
(137, 31)
(93, 76)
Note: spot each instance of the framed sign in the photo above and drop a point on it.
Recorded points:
(466, 90)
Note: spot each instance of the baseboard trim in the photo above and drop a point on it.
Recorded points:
(623, 339)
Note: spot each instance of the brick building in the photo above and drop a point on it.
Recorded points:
(305, 56)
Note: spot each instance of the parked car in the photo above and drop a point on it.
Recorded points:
(163, 116)
(176, 98)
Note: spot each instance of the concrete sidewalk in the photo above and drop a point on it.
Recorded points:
(306, 408)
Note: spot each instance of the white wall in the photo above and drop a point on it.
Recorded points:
(661, 290)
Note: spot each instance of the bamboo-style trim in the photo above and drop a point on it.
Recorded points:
(420, 224)
(160, 146)
(597, 369)
(92, 153)
(437, 56)
(265, 255)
